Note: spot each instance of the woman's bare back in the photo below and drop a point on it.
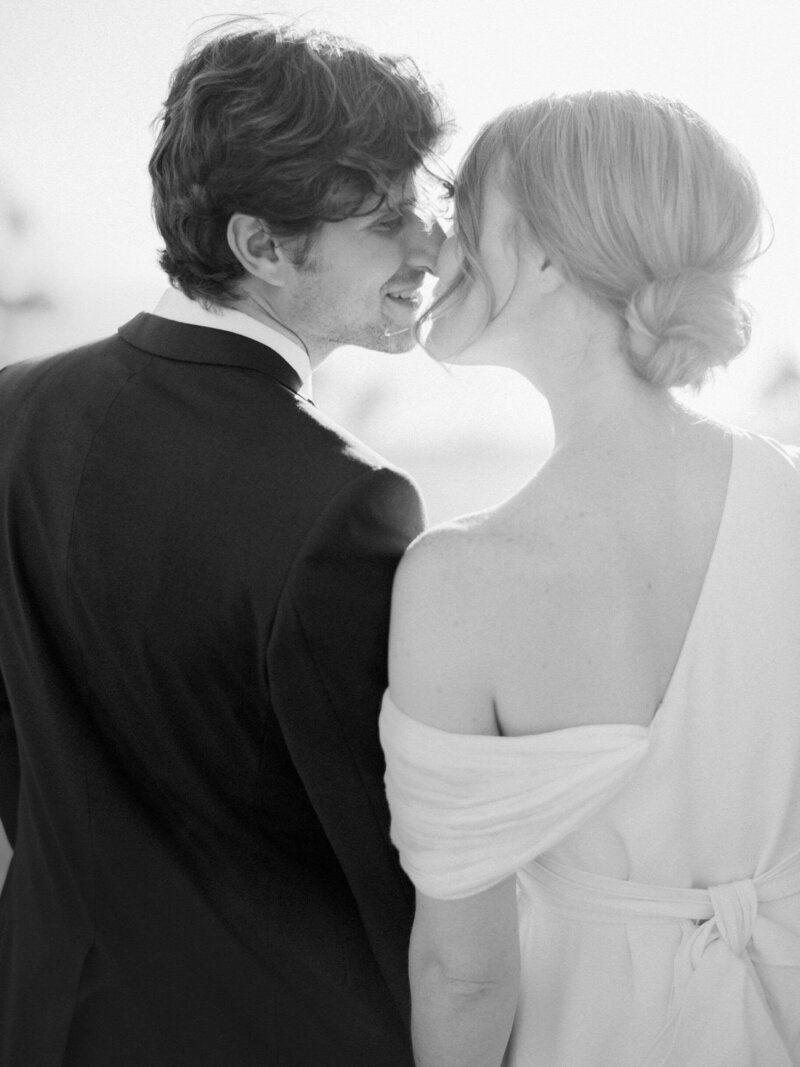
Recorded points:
(569, 604)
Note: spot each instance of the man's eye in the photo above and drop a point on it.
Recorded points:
(390, 224)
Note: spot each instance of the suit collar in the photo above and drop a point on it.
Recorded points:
(202, 344)
(176, 305)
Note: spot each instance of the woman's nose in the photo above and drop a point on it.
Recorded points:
(425, 240)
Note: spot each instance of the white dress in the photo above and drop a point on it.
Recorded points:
(658, 868)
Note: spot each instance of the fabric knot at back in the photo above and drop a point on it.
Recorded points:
(735, 907)
(718, 1012)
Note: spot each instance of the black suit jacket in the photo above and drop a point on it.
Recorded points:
(196, 569)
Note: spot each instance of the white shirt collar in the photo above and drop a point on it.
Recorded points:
(177, 306)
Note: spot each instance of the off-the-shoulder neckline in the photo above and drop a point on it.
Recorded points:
(627, 730)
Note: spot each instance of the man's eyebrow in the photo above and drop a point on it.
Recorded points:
(391, 207)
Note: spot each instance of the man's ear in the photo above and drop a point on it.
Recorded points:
(257, 250)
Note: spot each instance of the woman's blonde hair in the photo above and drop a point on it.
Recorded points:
(638, 201)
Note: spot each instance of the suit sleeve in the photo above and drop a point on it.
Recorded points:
(327, 664)
(9, 768)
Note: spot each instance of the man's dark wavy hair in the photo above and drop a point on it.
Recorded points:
(293, 128)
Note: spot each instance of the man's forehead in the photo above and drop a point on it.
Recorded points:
(422, 192)
(399, 196)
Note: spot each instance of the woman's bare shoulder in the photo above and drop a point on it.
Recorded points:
(441, 553)
(437, 649)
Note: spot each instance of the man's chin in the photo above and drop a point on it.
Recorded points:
(399, 336)
(379, 339)
(397, 341)
(389, 341)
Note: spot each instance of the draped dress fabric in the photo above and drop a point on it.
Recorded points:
(658, 868)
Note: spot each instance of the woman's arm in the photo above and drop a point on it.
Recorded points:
(464, 973)
(464, 955)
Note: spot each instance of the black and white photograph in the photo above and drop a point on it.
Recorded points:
(400, 534)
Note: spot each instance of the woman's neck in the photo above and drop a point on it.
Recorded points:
(598, 403)
(591, 389)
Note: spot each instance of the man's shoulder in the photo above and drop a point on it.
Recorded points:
(337, 452)
(264, 424)
(69, 378)
(64, 363)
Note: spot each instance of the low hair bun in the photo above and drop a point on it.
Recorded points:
(681, 326)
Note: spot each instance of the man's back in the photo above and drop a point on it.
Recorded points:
(197, 571)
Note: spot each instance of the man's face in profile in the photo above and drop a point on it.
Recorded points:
(361, 283)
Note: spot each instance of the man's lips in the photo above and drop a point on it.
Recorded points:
(408, 297)
(405, 291)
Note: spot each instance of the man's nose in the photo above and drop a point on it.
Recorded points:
(425, 238)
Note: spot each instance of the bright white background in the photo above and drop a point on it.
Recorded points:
(81, 81)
